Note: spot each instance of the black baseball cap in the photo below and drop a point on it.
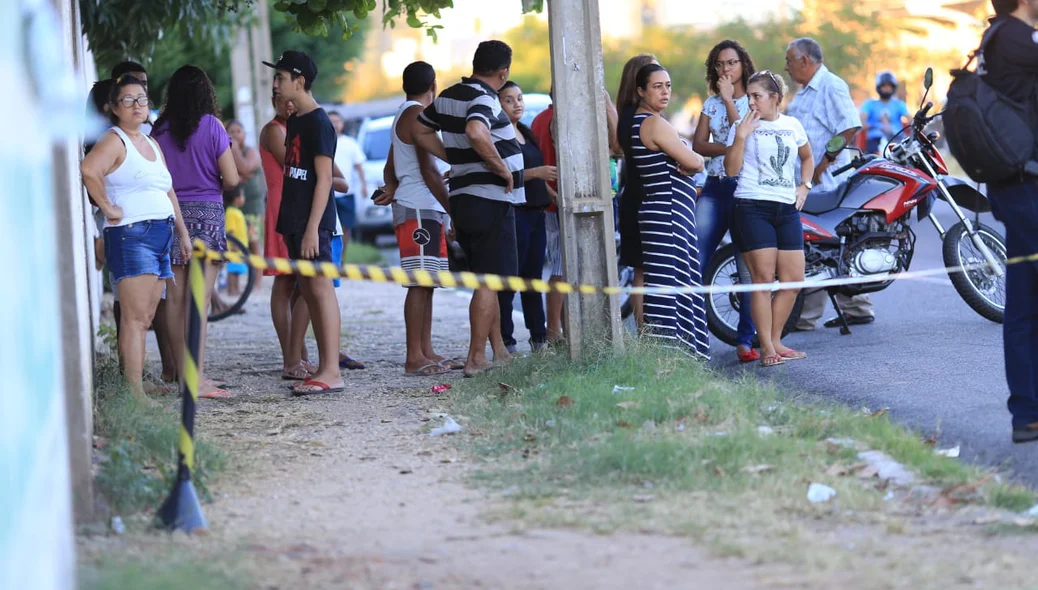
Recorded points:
(296, 62)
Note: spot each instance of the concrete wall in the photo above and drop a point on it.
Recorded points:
(36, 549)
(75, 236)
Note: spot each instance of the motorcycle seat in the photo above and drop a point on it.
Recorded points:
(819, 202)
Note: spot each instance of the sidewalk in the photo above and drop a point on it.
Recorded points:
(348, 491)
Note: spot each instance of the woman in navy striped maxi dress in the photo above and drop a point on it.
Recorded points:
(667, 219)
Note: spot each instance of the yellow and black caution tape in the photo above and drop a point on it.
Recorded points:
(182, 510)
(378, 274)
(469, 280)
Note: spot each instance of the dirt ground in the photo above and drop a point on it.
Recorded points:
(349, 490)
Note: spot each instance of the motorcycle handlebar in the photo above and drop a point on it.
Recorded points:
(843, 169)
(921, 116)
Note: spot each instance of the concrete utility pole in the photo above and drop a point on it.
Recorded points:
(585, 208)
(250, 80)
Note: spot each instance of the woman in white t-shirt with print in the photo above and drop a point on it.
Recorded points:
(762, 151)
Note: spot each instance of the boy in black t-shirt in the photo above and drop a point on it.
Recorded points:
(307, 217)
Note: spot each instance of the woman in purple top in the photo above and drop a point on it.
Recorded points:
(198, 154)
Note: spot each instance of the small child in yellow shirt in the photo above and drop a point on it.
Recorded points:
(237, 228)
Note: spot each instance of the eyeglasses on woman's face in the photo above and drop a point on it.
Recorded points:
(129, 101)
(720, 65)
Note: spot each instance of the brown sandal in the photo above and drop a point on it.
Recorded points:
(299, 372)
(772, 360)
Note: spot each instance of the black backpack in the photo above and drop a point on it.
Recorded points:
(990, 135)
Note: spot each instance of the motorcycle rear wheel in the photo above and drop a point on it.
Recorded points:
(722, 309)
(978, 287)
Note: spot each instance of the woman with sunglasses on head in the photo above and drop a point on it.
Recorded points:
(125, 174)
(198, 150)
(667, 218)
(728, 70)
(763, 148)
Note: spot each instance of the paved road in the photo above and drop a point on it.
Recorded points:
(929, 358)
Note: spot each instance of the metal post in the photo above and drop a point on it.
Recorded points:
(586, 209)
(182, 510)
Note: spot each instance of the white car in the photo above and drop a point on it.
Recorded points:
(535, 103)
(374, 139)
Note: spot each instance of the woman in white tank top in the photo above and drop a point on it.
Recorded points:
(126, 176)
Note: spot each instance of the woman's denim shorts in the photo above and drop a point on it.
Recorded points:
(140, 248)
(758, 224)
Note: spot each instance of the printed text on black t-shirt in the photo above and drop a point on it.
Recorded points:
(307, 136)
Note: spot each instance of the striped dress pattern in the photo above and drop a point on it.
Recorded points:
(667, 221)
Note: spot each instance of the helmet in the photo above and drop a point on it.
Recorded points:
(886, 77)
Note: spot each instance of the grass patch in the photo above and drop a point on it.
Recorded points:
(361, 253)
(159, 574)
(1014, 498)
(140, 453)
(653, 440)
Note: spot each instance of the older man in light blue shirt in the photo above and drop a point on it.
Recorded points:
(825, 108)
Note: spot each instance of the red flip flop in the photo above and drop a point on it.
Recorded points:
(218, 394)
(749, 356)
(308, 386)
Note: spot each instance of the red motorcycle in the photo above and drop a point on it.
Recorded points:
(863, 228)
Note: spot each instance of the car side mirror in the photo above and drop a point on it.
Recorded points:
(928, 79)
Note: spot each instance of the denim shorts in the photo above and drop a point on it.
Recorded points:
(140, 248)
(758, 224)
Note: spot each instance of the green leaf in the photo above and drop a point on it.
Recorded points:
(412, 20)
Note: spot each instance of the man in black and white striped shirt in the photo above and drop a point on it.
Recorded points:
(486, 179)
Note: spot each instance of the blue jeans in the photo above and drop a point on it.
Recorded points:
(346, 208)
(531, 242)
(1016, 205)
(139, 248)
(714, 211)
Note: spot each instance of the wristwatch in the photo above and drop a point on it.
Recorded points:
(808, 184)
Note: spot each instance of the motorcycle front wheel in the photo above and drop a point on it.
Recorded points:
(978, 286)
(722, 309)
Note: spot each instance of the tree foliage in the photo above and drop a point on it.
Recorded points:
(116, 28)
(844, 39)
(531, 60)
(212, 53)
(330, 55)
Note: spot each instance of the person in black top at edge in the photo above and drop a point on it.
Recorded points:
(307, 215)
(530, 234)
(1011, 63)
